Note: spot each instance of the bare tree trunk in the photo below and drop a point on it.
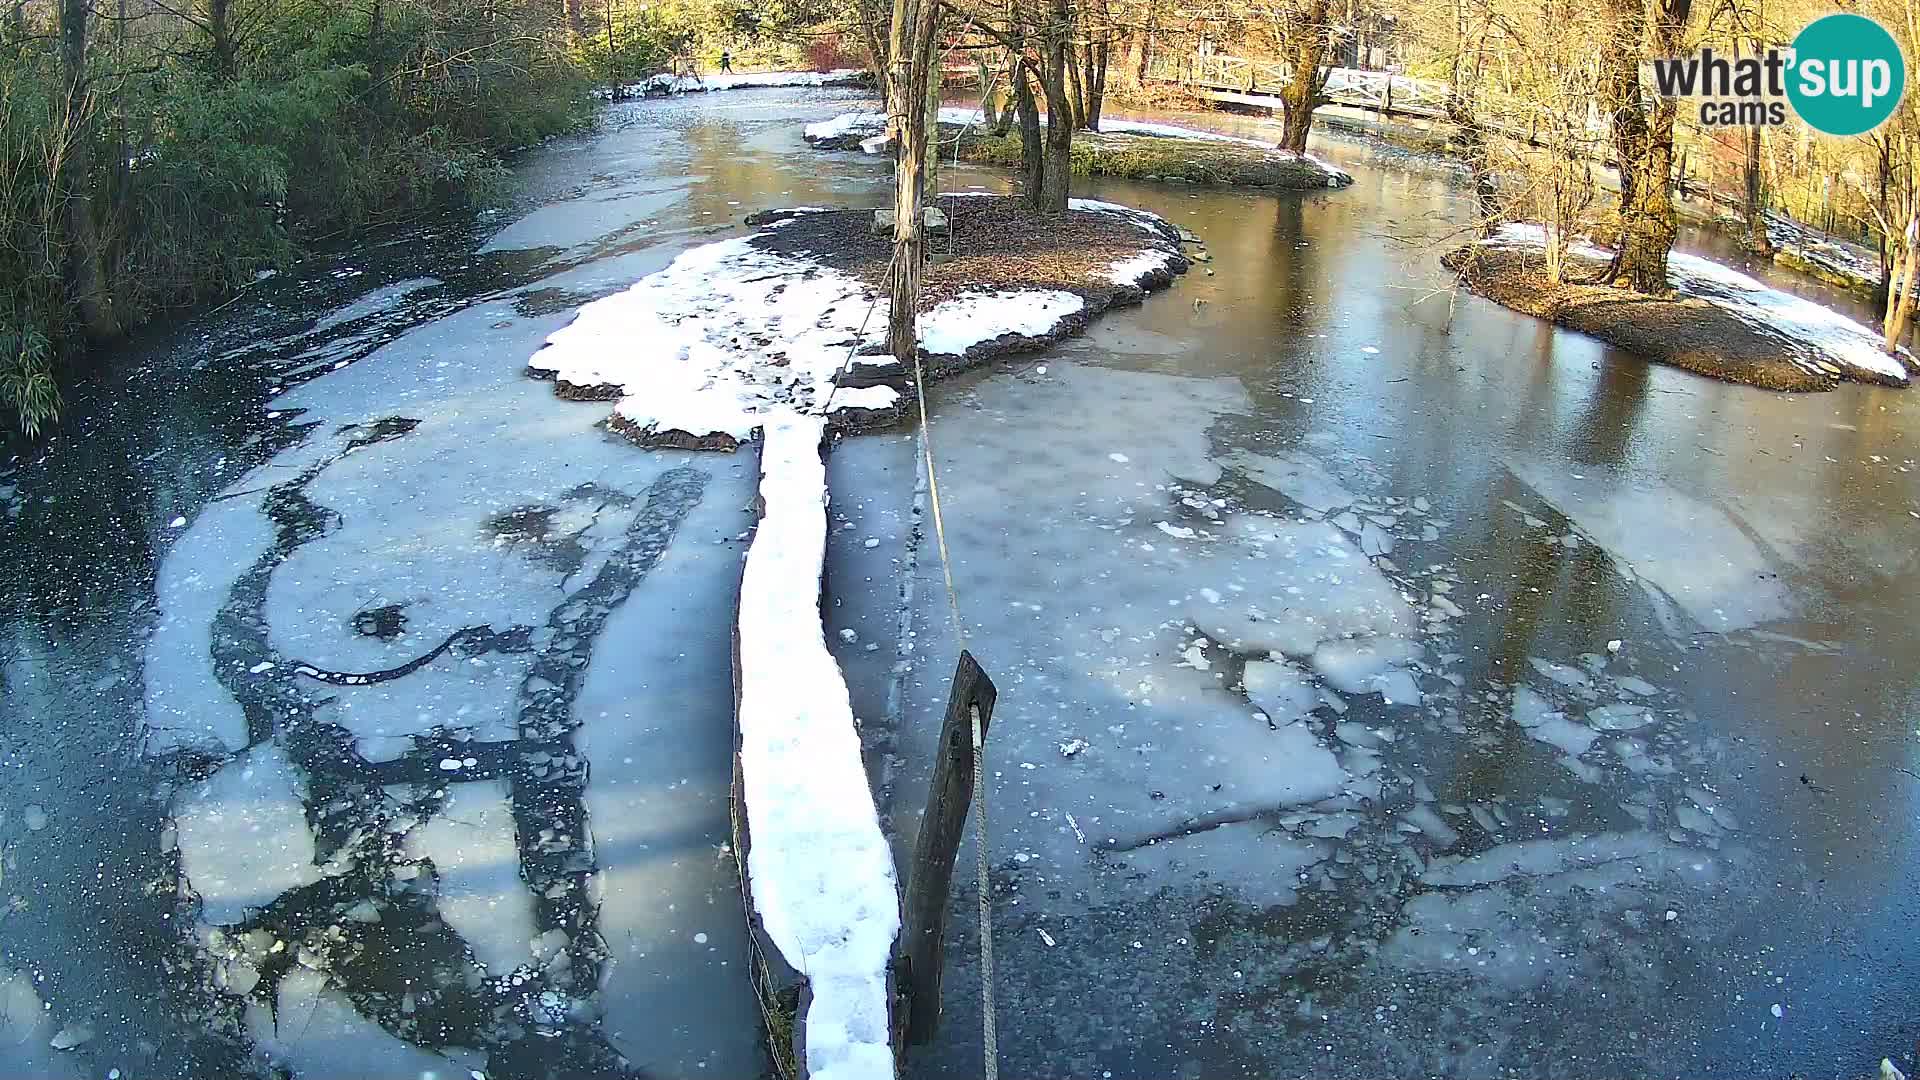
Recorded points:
(1076, 90)
(1757, 238)
(910, 47)
(871, 22)
(1642, 139)
(1096, 84)
(1306, 53)
(377, 65)
(1900, 299)
(1056, 172)
(220, 37)
(576, 18)
(85, 275)
(1144, 57)
(930, 172)
(1033, 152)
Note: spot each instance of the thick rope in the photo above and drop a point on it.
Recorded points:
(988, 1027)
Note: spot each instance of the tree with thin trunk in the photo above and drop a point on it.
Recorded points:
(85, 270)
(1896, 205)
(1040, 35)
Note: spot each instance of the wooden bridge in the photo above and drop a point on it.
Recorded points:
(1257, 82)
(1242, 81)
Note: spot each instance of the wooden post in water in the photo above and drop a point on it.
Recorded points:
(930, 878)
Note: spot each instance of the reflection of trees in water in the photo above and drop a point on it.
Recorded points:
(1604, 431)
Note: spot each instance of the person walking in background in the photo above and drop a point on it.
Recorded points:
(726, 62)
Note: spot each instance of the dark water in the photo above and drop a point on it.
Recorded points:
(353, 443)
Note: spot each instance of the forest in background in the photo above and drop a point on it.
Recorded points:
(158, 153)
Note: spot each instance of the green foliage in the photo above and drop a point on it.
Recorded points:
(629, 42)
(26, 377)
(201, 176)
(1151, 157)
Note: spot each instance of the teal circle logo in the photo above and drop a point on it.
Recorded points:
(1847, 75)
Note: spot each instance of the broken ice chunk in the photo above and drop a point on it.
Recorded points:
(1436, 829)
(1560, 673)
(1279, 689)
(1366, 665)
(1622, 717)
(243, 834)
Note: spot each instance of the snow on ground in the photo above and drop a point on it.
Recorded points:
(821, 873)
(953, 326)
(1137, 268)
(712, 343)
(1824, 341)
(1831, 257)
(875, 123)
(665, 83)
(708, 347)
(1827, 334)
(1696, 554)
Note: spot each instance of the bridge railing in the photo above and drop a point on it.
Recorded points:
(1379, 90)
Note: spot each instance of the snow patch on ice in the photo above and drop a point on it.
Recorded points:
(373, 303)
(1279, 689)
(1522, 913)
(1298, 476)
(1693, 552)
(1315, 586)
(1264, 863)
(822, 877)
(481, 894)
(243, 834)
(185, 703)
(1369, 665)
(318, 1035)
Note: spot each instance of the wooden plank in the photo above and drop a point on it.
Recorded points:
(930, 878)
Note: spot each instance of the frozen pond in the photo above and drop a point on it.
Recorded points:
(1388, 685)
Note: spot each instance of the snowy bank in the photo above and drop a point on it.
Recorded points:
(792, 318)
(665, 84)
(1801, 247)
(1717, 321)
(1125, 148)
(819, 875)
